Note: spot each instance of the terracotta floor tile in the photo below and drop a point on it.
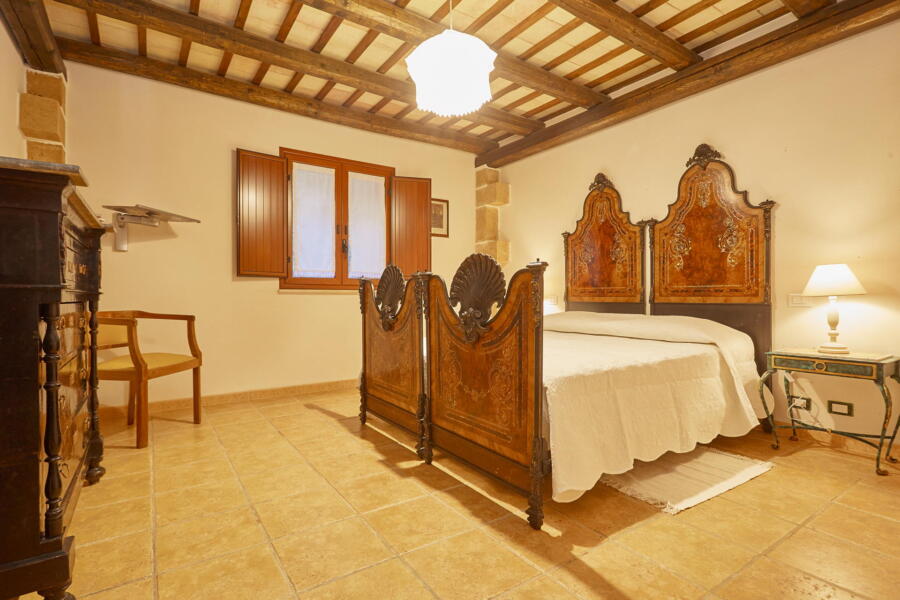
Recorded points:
(165, 457)
(185, 437)
(194, 540)
(241, 441)
(448, 567)
(235, 416)
(112, 562)
(264, 457)
(118, 461)
(606, 510)
(345, 468)
(613, 572)
(474, 504)
(249, 574)
(428, 476)
(765, 578)
(768, 495)
(878, 533)
(192, 474)
(242, 430)
(692, 554)
(136, 590)
(560, 539)
(822, 459)
(839, 562)
(812, 482)
(177, 505)
(323, 448)
(310, 508)
(162, 426)
(745, 526)
(279, 483)
(110, 520)
(370, 493)
(389, 580)
(880, 501)
(540, 588)
(115, 489)
(318, 555)
(417, 522)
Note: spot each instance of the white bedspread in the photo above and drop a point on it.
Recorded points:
(626, 387)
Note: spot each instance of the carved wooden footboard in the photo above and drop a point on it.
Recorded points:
(392, 383)
(485, 387)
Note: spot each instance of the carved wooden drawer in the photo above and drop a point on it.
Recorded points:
(76, 263)
(72, 327)
(825, 366)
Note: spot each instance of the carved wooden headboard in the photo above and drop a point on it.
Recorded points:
(605, 255)
(710, 255)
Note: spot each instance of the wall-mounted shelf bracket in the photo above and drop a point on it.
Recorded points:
(138, 215)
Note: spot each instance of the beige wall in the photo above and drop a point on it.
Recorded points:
(820, 135)
(12, 81)
(142, 142)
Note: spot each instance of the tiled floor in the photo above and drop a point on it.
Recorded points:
(290, 498)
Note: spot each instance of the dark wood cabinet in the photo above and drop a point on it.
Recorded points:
(50, 441)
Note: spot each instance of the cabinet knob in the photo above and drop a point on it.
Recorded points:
(819, 366)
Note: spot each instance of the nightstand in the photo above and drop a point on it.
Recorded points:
(865, 367)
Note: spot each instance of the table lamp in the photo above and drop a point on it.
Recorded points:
(833, 281)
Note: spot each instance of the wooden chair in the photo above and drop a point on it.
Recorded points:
(118, 329)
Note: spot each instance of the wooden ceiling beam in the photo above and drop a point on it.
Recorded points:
(606, 16)
(239, 21)
(216, 35)
(821, 28)
(131, 64)
(387, 18)
(801, 8)
(29, 28)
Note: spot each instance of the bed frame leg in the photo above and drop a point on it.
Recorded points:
(362, 403)
(536, 498)
(423, 448)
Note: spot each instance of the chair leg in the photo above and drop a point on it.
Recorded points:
(131, 402)
(197, 395)
(143, 416)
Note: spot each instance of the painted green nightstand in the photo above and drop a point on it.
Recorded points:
(866, 367)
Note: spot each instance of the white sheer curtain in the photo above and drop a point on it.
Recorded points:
(368, 223)
(314, 221)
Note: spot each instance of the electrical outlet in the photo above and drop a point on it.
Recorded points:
(798, 301)
(844, 409)
(801, 402)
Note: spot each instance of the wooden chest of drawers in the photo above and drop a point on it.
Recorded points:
(50, 441)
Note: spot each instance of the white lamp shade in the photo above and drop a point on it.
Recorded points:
(833, 280)
(452, 73)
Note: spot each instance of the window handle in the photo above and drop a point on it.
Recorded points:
(344, 247)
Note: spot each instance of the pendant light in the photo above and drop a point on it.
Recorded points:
(452, 72)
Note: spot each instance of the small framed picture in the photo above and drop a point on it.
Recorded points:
(440, 218)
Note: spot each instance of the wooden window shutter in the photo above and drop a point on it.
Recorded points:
(411, 224)
(263, 239)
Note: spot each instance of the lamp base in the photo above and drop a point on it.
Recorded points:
(833, 348)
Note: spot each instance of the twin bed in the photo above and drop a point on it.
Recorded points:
(480, 372)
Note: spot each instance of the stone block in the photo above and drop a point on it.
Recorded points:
(55, 153)
(499, 249)
(41, 118)
(486, 175)
(492, 194)
(46, 85)
(486, 223)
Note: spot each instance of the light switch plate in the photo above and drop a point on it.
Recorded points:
(845, 409)
(798, 301)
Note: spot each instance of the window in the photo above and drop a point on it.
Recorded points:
(321, 222)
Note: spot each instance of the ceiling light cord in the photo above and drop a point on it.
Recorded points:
(451, 15)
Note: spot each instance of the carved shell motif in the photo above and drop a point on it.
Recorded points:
(476, 287)
(389, 294)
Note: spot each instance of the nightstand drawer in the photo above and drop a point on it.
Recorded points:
(826, 366)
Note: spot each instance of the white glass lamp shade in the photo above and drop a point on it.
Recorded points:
(452, 73)
(833, 280)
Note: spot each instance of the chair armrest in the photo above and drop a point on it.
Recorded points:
(134, 349)
(140, 314)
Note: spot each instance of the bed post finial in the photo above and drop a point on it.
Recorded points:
(703, 155)
(601, 181)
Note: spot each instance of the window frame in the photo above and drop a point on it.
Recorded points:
(343, 167)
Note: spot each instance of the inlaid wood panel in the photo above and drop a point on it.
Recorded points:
(713, 245)
(605, 253)
(262, 215)
(392, 371)
(484, 372)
